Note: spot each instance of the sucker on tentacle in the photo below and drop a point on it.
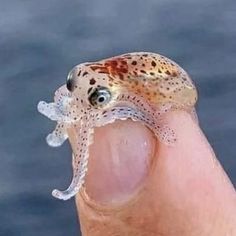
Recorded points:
(139, 86)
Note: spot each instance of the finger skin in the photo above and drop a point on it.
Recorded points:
(183, 189)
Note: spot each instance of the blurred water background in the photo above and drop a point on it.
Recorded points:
(40, 41)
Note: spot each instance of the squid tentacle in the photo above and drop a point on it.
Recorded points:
(80, 159)
(132, 107)
(155, 113)
(84, 139)
(51, 111)
(58, 136)
(162, 131)
(54, 111)
(61, 93)
(57, 110)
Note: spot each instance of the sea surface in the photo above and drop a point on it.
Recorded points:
(40, 41)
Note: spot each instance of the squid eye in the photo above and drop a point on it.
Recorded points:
(69, 82)
(101, 96)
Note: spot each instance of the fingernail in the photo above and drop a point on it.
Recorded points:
(119, 161)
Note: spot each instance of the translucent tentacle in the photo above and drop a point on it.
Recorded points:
(131, 107)
(155, 113)
(80, 159)
(61, 92)
(58, 136)
(50, 110)
(58, 110)
(163, 132)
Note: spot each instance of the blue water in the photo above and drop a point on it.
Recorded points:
(40, 41)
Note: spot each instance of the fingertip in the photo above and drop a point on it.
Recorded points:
(185, 191)
(119, 160)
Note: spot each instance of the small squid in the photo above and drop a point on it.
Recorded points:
(140, 86)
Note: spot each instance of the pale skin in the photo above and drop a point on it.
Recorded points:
(179, 191)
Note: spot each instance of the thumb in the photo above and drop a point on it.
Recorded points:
(138, 186)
